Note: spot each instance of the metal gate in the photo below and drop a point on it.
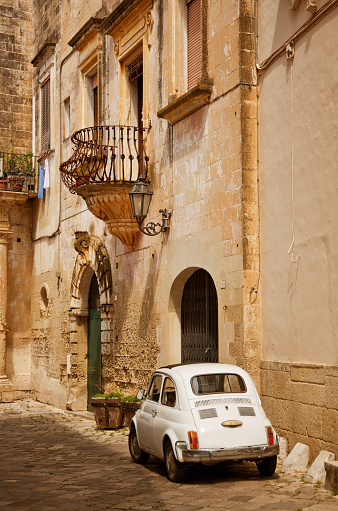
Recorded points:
(199, 319)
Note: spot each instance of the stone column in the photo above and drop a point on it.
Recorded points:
(6, 387)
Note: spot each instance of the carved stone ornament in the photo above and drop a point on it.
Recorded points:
(111, 203)
(311, 6)
(91, 253)
(150, 20)
(117, 48)
(6, 237)
(294, 4)
(81, 244)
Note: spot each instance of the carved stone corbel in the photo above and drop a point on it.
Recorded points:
(81, 244)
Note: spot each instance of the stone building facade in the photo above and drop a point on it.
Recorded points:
(180, 78)
(15, 208)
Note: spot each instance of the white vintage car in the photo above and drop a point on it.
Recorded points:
(202, 413)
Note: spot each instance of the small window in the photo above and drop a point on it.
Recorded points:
(168, 393)
(67, 118)
(155, 388)
(45, 117)
(217, 384)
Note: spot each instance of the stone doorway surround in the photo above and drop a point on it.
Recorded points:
(92, 258)
(184, 259)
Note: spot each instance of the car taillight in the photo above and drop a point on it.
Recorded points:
(193, 440)
(269, 434)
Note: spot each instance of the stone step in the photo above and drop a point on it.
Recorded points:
(331, 482)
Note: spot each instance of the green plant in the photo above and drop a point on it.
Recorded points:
(130, 399)
(18, 164)
(116, 393)
(318, 484)
(113, 394)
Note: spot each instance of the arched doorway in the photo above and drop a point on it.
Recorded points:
(199, 319)
(94, 363)
(91, 318)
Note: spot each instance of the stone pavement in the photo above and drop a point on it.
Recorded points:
(53, 459)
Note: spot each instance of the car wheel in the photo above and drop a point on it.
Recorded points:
(136, 452)
(175, 469)
(267, 466)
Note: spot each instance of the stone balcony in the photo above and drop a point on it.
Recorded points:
(106, 161)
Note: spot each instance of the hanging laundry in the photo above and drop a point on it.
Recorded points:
(46, 178)
(41, 176)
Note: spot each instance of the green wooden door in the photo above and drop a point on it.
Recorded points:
(94, 356)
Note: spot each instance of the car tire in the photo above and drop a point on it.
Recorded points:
(175, 469)
(267, 466)
(136, 452)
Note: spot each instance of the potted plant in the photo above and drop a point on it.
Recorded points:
(98, 402)
(130, 405)
(114, 410)
(3, 173)
(18, 167)
(107, 410)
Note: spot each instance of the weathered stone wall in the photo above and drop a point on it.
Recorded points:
(203, 167)
(16, 75)
(19, 298)
(301, 402)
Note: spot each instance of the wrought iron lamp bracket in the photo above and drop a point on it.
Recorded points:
(152, 228)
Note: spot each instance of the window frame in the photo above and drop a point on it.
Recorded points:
(45, 115)
(162, 392)
(218, 392)
(157, 375)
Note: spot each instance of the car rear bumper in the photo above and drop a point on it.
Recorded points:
(214, 455)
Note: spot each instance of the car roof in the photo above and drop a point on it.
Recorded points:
(190, 370)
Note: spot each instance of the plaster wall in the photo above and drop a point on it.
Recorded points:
(299, 300)
(298, 240)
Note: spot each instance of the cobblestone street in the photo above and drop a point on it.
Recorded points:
(53, 459)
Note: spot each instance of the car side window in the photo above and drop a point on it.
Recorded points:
(155, 388)
(168, 393)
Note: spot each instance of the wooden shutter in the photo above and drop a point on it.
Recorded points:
(45, 117)
(194, 42)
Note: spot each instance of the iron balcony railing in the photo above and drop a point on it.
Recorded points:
(106, 154)
(19, 172)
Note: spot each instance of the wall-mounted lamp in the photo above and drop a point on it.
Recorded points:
(140, 197)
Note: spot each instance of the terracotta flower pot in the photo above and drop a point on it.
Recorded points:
(99, 405)
(114, 413)
(129, 409)
(16, 183)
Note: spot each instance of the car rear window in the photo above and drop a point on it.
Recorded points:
(217, 384)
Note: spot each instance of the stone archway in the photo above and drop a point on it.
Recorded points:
(92, 253)
(188, 256)
(92, 258)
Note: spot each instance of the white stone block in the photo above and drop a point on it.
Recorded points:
(297, 461)
(283, 449)
(317, 470)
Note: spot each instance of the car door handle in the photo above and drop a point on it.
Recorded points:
(154, 413)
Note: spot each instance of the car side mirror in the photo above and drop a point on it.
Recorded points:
(141, 393)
